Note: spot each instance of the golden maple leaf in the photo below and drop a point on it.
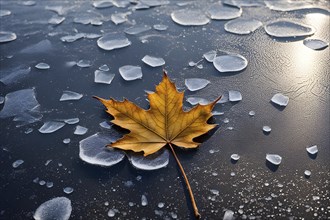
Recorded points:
(163, 123)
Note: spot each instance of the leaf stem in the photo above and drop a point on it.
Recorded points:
(192, 198)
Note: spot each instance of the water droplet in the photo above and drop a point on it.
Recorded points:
(230, 63)
(68, 190)
(189, 17)
(274, 159)
(129, 72)
(280, 99)
(312, 150)
(235, 157)
(17, 163)
(144, 200)
(285, 28)
(153, 61)
(194, 84)
(113, 41)
(42, 182)
(242, 26)
(50, 127)
(66, 141)
(56, 208)
(229, 215)
(266, 129)
(315, 44)
(307, 173)
(42, 66)
(69, 95)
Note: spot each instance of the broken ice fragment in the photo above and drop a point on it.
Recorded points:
(49, 184)
(72, 121)
(189, 17)
(274, 159)
(111, 213)
(84, 63)
(194, 84)
(17, 163)
(307, 173)
(93, 150)
(234, 96)
(154, 161)
(280, 99)
(283, 28)
(104, 67)
(153, 61)
(68, 190)
(80, 130)
(113, 41)
(58, 208)
(42, 66)
(56, 20)
(266, 129)
(102, 4)
(144, 200)
(6, 36)
(105, 125)
(312, 150)
(160, 27)
(4, 13)
(229, 215)
(235, 157)
(72, 38)
(137, 29)
(50, 127)
(209, 56)
(230, 63)
(217, 113)
(69, 95)
(119, 18)
(315, 44)
(197, 100)
(129, 72)
(242, 26)
(103, 77)
(66, 141)
(219, 11)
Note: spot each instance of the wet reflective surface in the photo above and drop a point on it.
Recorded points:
(76, 38)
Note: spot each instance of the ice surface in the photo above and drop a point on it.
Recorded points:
(312, 150)
(144, 200)
(284, 28)
(129, 72)
(69, 95)
(229, 215)
(235, 157)
(6, 36)
(209, 56)
(197, 100)
(219, 11)
(103, 77)
(68, 190)
(84, 63)
(102, 4)
(93, 150)
(234, 96)
(280, 99)
(119, 18)
(266, 129)
(72, 121)
(4, 13)
(160, 27)
(230, 63)
(80, 130)
(42, 66)
(274, 159)
(14, 75)
(104, 67)
(43, 46)
(154, 161)
(55, 20)
(308, 173)
(113, 41)
(315, 44)
(189, 17)
(22, 105)
(194, 84)
(50, 127)
(58, 208)
(17, 163)
(242, 26)
(153, 61)
(137, 29)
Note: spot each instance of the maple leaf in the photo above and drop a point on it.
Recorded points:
(164, 123)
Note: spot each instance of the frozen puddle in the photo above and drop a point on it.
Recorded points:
(58, 208)
(113, 41)
(280, 99)
(69, 95)
(312, 150)
(22, 105)
(6, 36)
(50, 127)
(189, 17)
(285, 28)
(234, 96)
(194, 84)
(129, 72)
(80, 130)
(197, 100)
(93, 150)
(42, 66)
(219, 11)
(315, 44)
(137, 29)
(242, 26)
(230, 63)
(274, 159)
(151, 162)
(153, 61)
(103, 77)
